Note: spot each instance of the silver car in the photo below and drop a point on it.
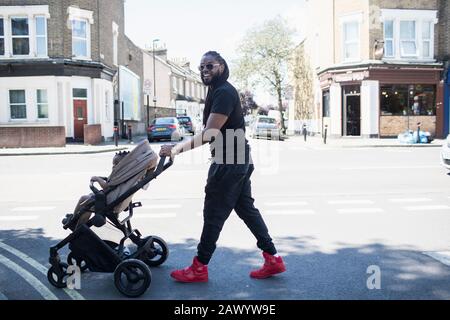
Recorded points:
(265, 126)
(445, 153)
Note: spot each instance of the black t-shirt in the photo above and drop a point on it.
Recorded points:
(232, 146)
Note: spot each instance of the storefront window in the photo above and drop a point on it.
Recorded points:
(403, 100)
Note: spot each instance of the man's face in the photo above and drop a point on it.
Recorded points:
(210, 70)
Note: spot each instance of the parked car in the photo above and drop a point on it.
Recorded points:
(165, 128)
(267, 127)
(445, 153)
(187, 123)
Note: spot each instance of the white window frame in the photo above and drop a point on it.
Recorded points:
(415, 40)
(17, 104)
(20, 37)
(115, 32)
(77, 14)
(430, 40)
(389, 39)
(420, 17)
(3, 36)
(44, 36)
(351, 18)
(38, 104)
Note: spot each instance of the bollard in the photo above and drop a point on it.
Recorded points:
(130, 138)
(418, 132)
(325, 135)
(304, 132)
(116, 135)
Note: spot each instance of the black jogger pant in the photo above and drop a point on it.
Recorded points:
(228, 187)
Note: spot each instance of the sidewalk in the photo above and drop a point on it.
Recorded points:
(74, 148)
(356, 142)
(80, 148)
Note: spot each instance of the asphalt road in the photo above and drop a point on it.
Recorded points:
(335, 215)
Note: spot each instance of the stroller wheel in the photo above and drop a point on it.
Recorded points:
(158, 253)
(74, 260)
(132, 278)
(59, 281)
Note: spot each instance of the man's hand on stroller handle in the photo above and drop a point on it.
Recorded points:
(99, 180)
(169, 150)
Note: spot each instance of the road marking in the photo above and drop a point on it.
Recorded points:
(164, 206)
(427, 208)
(390, 168)
(155, 215)
(410, 200)
(289, 212)
(33, 209)
(361, 210)
(18, 218)
(350, 202)
(72, 293)
(443, 257)
(286, 204)
(3, 297)
(28, 277)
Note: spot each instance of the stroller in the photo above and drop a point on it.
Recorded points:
(132, 275)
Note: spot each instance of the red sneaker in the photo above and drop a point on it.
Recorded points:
(197, 272)
(272, 266)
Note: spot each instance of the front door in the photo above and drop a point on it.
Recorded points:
(79, 118)
(352, 115)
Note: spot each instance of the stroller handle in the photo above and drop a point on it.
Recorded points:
(162, 165)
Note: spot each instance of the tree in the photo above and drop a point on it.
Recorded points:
(247, 102)
(263, 57)
(303, 85)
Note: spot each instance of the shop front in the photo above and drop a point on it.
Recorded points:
(383, 101)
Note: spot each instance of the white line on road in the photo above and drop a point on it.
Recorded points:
(427, 208)
(286, 204)
(28, 277)
(33, 209)
(163, 206)
(350, 202)
(3, 297)
(390, 168)
(18, 218)
(72, 293)
(361, 210)
(443, 257)
(289, 212)
(155, 215)
(410, 200)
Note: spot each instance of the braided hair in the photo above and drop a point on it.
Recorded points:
(215, 84)
(119, 156)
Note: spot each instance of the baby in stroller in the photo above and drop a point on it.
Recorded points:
(131, 172)
(80, 213)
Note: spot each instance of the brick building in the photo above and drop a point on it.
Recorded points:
(379, 69)
(66, 66)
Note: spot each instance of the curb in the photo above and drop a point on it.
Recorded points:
(61, 153)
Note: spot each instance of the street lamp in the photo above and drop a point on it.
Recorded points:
(154, 75)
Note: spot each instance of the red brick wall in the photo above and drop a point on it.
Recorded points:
(92, 134)
(32, 137)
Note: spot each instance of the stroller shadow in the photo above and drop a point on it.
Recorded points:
(311, 273)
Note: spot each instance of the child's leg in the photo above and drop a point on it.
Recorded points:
(80, 202)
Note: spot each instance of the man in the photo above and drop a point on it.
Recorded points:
(228, 185)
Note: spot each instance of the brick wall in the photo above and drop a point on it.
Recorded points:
(444, 30)
(392, 126)
(92, 134)
(32, 137)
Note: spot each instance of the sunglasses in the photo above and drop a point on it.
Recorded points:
(208, 66)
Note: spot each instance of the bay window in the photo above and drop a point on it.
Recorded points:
(41, 36)
(389, 39)
(42, 104)
(408, 45)
(17, 104)
(426, 40)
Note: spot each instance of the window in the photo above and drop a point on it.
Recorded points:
(2, 38)
(426, 39)
(80, 46)
(20, 36)
(326, 104)
(408, 45)
(17, 104)
(351, 41)
(404, 100)
(42, 104)
(389, 39)
(79, 93)
(41, 36)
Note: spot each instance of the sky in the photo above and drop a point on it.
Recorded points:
(189, 28)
